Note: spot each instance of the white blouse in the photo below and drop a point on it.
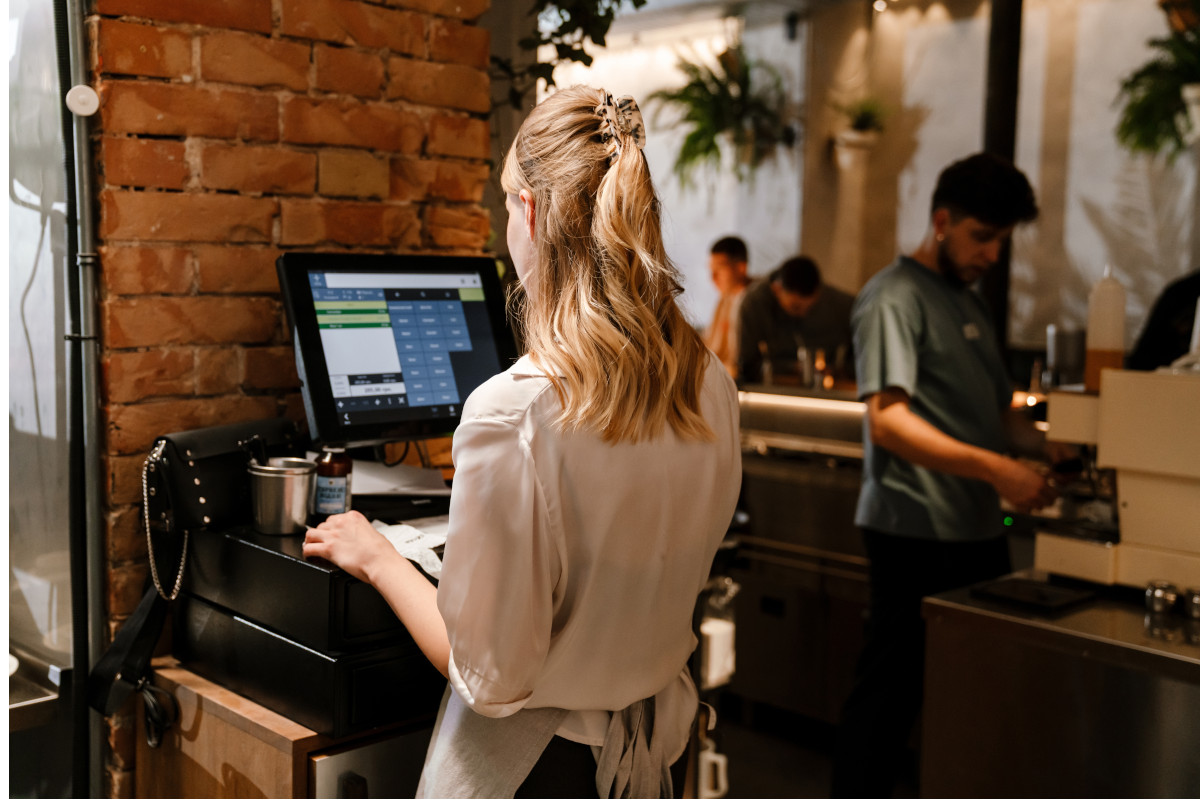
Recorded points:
(572, 566)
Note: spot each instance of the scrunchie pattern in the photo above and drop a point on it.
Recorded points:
(621, 117)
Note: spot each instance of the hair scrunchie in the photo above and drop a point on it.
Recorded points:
(620, 116)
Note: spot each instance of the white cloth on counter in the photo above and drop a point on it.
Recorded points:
(572, 565)
(416, 539)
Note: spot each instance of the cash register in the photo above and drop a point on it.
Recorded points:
(387, 349)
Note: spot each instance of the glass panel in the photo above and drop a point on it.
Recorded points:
(39, 577)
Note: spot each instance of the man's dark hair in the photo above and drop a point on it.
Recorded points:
(988, 188)
(731, 246)
(798, 275)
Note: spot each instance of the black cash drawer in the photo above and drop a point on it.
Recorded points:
(266, 579)
(334, 693)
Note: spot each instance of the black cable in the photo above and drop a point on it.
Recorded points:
(161, 710)
(381, 454)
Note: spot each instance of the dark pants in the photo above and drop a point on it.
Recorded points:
(568, 769)
(878, 717)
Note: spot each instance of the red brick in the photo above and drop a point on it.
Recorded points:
(209, 319)
(122, 740)
(460, 9)
(126, 537)
(218, 370)
(460, 181)
(246, 15)
(353, 173)
(146, 270)
(346, 71)
(168, 216)
(124, 479)
(445, 85)
(133, 428)
(293, 409)
(457, 43)
(136, 375)
(119, 784)
(236, 270)
(254, 60)
(270, 368)
(458, 136)
(154, 163)
(351, 124)
(411, 177)
(352, 22)
(460, 228)
(126, 48)
(125, 586)
(347, 223)
(247, 168)
(162, 109)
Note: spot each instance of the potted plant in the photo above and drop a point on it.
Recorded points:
(1161, 99)
(864, 118)
(736, 105)
(1181, 14)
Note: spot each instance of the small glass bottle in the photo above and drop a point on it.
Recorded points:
(768, 369)
(333, 483)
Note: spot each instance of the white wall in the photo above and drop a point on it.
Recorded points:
(1101, 205)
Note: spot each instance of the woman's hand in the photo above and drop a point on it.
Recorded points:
(349, 541)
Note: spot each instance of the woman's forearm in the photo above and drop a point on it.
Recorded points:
(414, 600)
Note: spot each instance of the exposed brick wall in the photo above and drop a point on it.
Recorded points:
(232, 131)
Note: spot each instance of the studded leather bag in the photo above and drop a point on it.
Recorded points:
(191, 482)
(197, 480)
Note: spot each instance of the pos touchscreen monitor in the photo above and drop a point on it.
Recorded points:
(389, 346)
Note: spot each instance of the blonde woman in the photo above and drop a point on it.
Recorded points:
(593, 482)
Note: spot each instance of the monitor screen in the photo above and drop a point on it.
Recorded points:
(389, 346)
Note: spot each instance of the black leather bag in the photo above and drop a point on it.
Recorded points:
(191, 481)
(196, 480)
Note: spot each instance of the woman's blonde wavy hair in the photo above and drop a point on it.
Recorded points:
(599, 312)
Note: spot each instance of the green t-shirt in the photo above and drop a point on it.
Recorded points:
(915, 331)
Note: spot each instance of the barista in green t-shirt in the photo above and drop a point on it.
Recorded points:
(937, 434)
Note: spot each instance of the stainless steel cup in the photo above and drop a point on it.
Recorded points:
(280, 492)
(1191, 603)
(1161, 596)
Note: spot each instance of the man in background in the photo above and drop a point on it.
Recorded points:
(938, 427)
(791, 309)
(727, 262)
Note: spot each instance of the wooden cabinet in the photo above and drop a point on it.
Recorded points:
(227, 746)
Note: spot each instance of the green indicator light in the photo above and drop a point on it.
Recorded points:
(1008, 521)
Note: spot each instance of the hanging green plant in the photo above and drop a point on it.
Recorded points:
(1154, 116)
(735, 105)
(568, 25)
(865, 115)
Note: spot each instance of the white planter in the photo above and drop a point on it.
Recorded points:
(851, 147)
(1191, 99)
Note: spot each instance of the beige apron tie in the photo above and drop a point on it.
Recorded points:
(632, 762)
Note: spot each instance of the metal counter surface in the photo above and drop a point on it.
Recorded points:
(1111, 626)
(1100, 700)
(802, 421)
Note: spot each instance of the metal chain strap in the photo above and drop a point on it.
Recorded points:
(152, 461)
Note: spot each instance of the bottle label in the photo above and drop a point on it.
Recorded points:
(333, 495)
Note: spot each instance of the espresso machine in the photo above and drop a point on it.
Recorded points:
(1143, 429)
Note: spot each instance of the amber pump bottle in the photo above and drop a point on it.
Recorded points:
(334, 469)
